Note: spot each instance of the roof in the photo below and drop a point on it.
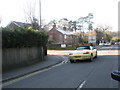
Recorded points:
(92, 32)
(65, 32)
(20, 24)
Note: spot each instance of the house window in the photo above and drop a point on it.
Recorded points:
(65, 36)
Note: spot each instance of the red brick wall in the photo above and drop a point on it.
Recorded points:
(56, 36)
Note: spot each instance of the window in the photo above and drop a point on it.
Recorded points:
(82, 47)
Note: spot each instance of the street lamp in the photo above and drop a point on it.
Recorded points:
(40, 13)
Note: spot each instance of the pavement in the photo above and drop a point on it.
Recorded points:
(50, 60)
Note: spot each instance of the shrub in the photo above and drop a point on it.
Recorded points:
(22, 37)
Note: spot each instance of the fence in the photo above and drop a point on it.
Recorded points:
(14, 57)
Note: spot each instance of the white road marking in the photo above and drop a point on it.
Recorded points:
(65, 59)
(81, 85)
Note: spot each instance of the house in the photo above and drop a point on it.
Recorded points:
(92, 36)
(92, 32)
(14, 24)
(62, 36)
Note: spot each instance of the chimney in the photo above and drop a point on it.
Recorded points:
(54, 27)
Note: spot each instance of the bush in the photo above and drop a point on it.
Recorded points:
(22, 37)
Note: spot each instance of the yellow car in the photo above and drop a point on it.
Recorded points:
(83, 53)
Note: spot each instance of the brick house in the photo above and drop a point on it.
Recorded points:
(62, 36)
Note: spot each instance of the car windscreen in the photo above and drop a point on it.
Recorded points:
(82, 47)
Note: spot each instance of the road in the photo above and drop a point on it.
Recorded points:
(78, 75)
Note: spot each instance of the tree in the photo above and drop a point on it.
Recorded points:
(108, 38)
(81, 22)
(104, 27)
(50, 25)
(87, 19)
(103, 35)
(90, 27)
(72, 25)
(35, 24)
(63, 23)
(30, 16)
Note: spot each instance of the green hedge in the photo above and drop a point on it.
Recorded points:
(22, 37)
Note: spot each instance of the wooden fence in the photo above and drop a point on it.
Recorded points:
(14, 57)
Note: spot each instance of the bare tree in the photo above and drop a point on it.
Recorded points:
(30, 15)
(103, 27)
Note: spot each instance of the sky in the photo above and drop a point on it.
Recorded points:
(105, 12)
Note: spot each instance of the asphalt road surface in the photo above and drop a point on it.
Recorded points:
(84, 74)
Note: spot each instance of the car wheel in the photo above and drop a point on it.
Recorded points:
(72, 61)
(96, 55)
(91, 58)
(116, 75)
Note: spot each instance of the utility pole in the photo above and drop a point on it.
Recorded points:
(40, 13)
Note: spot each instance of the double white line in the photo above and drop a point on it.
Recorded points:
(81, 85)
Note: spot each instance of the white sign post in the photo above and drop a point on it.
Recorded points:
(63, 45)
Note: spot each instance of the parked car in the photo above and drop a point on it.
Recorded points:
(101, 44)
(107, 44)
(83, 53)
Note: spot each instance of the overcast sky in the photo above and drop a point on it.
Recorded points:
(105, 11)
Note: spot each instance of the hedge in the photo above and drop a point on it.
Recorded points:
(21, 37)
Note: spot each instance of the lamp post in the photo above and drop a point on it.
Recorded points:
(40, 13)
